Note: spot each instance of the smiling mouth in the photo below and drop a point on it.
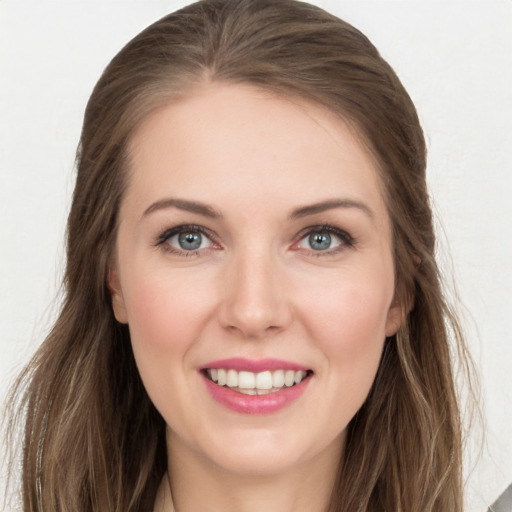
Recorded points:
(262, 383)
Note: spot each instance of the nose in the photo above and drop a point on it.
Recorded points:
(255, 302)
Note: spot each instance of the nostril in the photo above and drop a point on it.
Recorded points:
(254, 313)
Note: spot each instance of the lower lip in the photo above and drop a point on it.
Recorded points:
(255, 404)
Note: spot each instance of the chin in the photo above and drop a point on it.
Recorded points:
(257, 463)
(264, 453)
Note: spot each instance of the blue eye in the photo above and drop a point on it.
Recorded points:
(320, 241)
(189, 241)
(325, 239)
(186, 239)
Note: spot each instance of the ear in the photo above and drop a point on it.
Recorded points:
(397, 314)
(401, 306)
(116, 293)
(394, 318)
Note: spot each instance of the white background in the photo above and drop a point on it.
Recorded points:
(455, 59)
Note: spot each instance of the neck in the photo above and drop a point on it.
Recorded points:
(194, 482)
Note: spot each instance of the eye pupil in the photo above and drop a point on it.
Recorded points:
(190, 241)
(320, 241)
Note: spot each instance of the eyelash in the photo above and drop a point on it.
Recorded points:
(162, 239)
(347, 240)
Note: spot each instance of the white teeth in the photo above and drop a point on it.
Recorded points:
(232, 379)
(278, 379)
(289, 378)
(247, 391)
(221, 377)
(256, 383)
(246, 380)
(299, 376)
(264, 380)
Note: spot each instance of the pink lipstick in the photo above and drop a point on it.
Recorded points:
(255, 386)
(254, 365)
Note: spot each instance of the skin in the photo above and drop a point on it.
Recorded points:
(255, 289)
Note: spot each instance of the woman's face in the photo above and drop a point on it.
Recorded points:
(254, 250)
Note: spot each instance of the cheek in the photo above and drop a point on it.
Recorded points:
(165, 316)
(347, 320)
(166, 312)
(349, 314)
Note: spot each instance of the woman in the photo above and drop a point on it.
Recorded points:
(253, 316)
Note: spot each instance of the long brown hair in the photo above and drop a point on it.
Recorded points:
(93, 440)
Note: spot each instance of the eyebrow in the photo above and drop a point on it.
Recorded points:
(183, 204)
(303, 211)
(330, 204)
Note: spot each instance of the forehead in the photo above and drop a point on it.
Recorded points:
(224, 140)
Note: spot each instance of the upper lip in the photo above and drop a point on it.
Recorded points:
(253, 365)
